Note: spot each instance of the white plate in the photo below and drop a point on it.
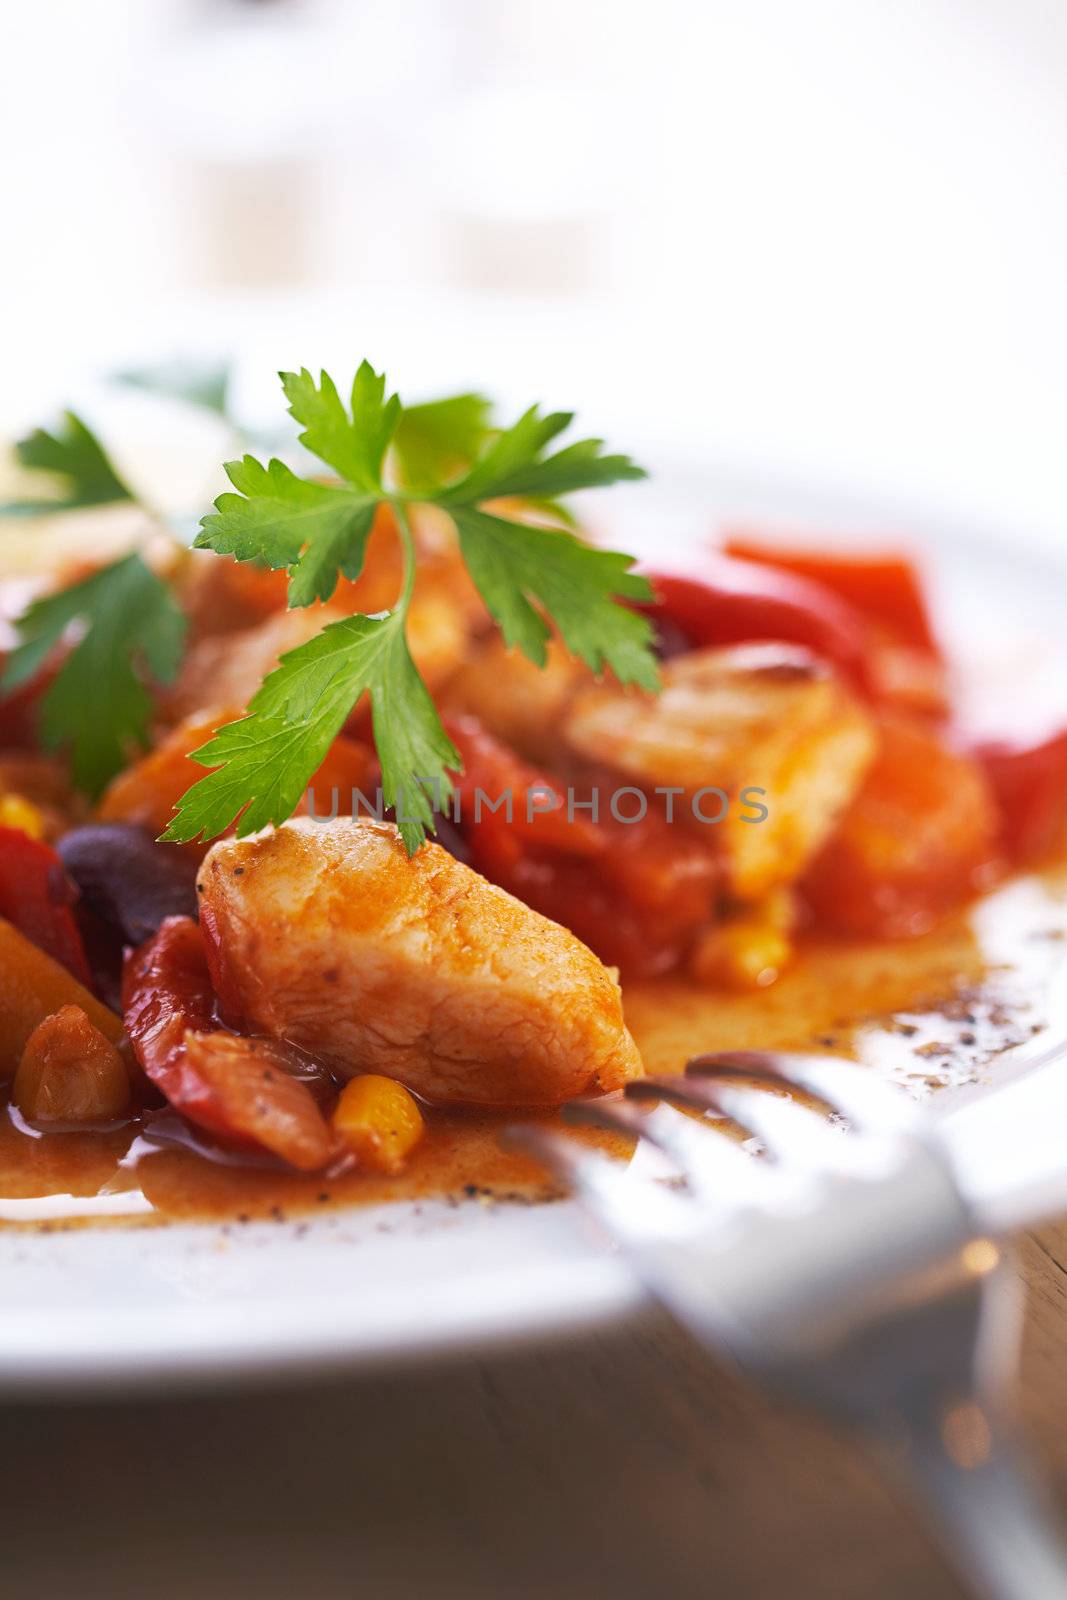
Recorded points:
(128, 1307)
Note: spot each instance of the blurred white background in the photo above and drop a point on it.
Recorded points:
(822, 238)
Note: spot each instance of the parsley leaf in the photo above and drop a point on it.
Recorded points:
(515, 564)
(99, 704)
(437, 440)
(316, 530)
(515, 465)
(80, 464)
(353, 445)
(265, 760)
(574, 583)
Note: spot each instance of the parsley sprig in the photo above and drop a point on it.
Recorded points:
(530, 577)
(98, 704)
(126, 625)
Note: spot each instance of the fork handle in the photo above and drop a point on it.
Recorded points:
(994, 1519)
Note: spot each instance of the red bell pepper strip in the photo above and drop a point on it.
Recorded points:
(726, 601)
(166, 993)
(234, 1087)
(636, 893)
(37, 896)
(509, 807)
(1030, 785)
(886, 589)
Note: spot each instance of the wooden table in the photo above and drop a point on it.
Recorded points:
(624, 1465)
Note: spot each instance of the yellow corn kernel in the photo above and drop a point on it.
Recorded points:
(16, 812)
(379, 1120)
(745, 954)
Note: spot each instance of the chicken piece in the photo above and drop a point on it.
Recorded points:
(517, 702)
(330, 937)
(746, 717)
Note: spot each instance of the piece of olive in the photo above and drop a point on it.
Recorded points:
(127, 880)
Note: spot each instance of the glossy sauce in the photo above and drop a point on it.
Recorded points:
(929, 1013)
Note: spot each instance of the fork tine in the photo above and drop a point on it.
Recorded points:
(782, 1126)
(787, 1130)
(713, 1167)
(868, 1103)
(634, 1209)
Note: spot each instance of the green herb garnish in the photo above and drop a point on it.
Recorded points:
(98, 704)
(529, 577)
(131, 628)
(436, 440)
(79, 464)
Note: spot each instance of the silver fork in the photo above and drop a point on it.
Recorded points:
(845, 1271)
